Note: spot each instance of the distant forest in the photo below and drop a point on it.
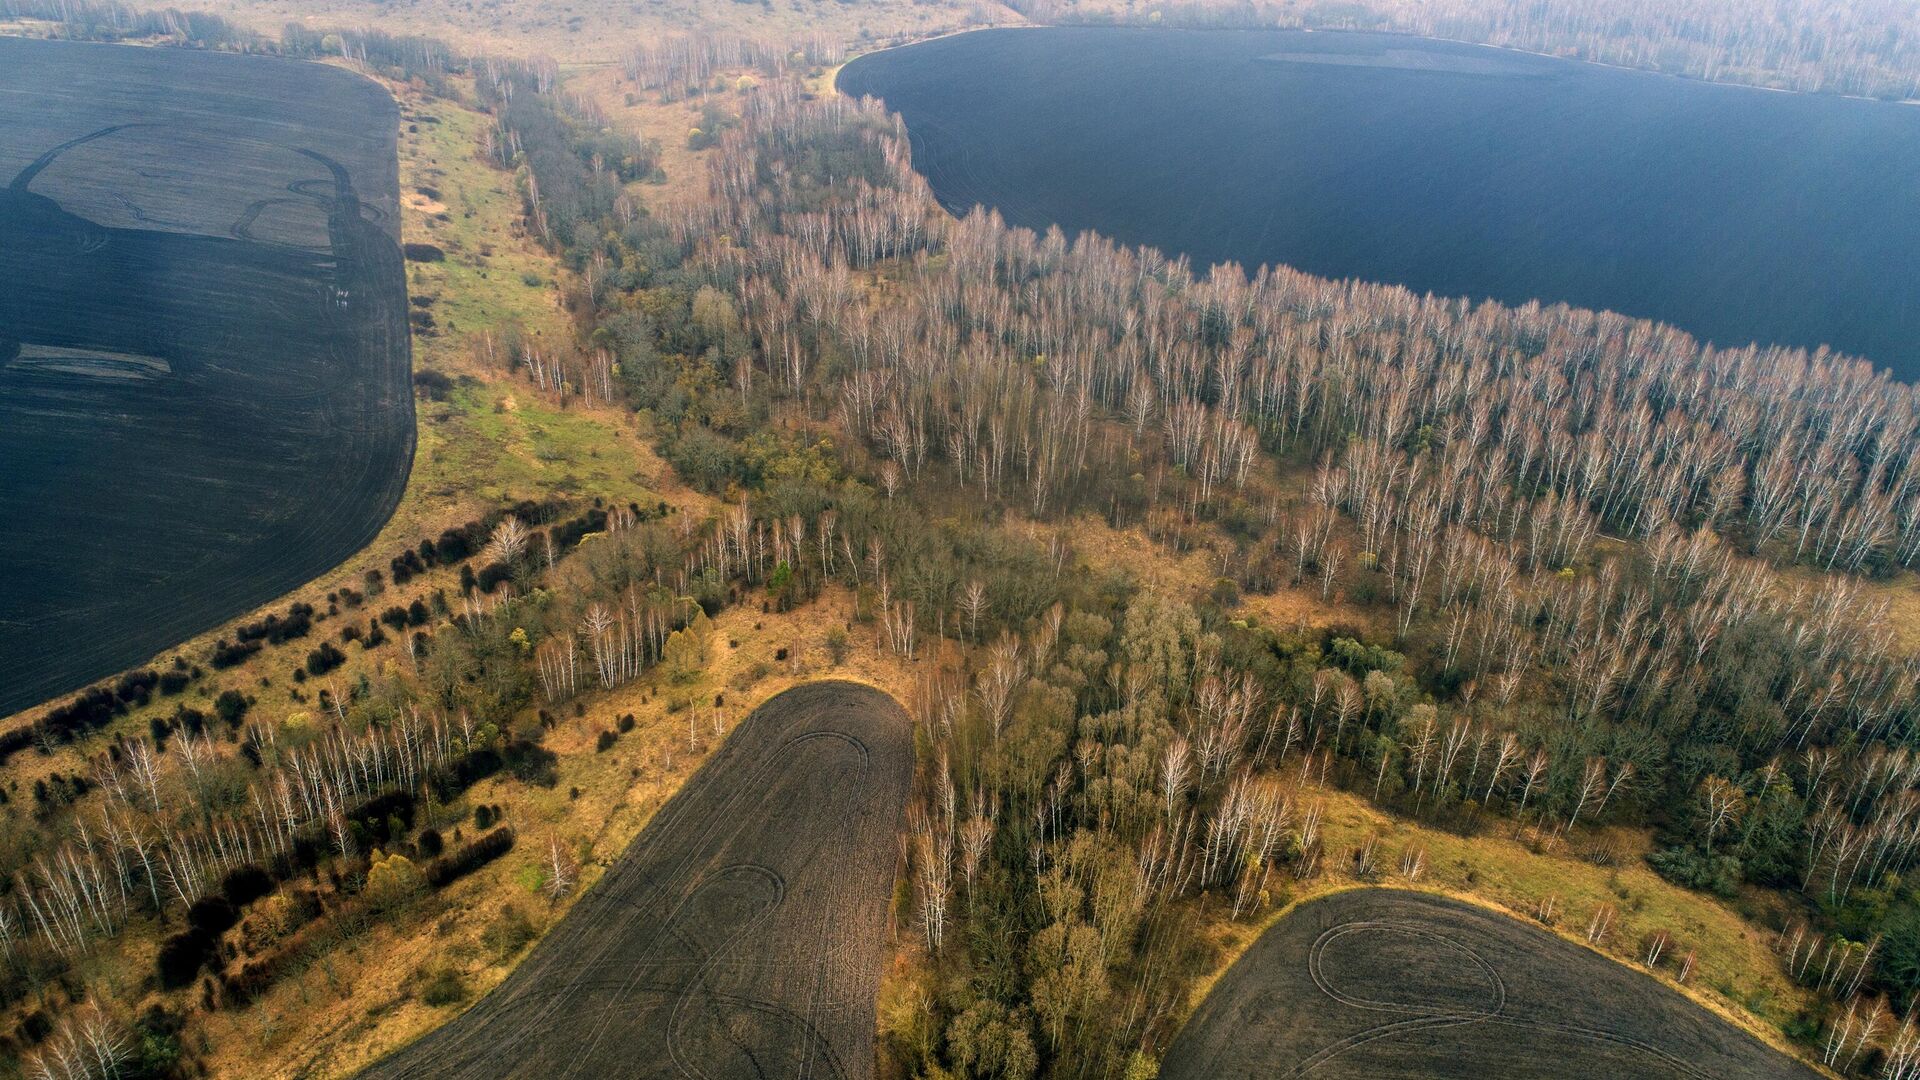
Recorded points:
(399, 56)
(1869, 48)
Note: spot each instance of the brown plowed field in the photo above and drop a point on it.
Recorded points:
(1381, 984)
(205, 373)
(740, 936)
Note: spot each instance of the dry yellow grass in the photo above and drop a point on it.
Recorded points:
(1192, 573)
(1902, 595)
(641, 112)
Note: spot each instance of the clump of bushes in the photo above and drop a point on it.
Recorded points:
(181, 957)
(232, 707)
(1359, 658)
(184, 954)
(471, 857)
(92, 709)
(135, 688)
(276, 629)
(442, 985)
(228, 654)
(434, 386)
(214, 914)
(1693, 869)
(533, 764)
(509, 932)
(393, 881)
(324, 659)
(245, 884)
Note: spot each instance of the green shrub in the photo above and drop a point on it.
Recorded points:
(1360, 658)
(392, 881)
(1691, 869)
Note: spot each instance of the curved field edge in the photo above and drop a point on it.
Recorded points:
(363, 999)
(492, 441)
(1237, 940)
(637, 928)
(369, 463)
(1238, 981)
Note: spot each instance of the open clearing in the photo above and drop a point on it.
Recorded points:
(740, 936)
(204, 363)
(1379, 983)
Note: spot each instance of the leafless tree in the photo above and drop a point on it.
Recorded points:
(563, 872)
(508, 542)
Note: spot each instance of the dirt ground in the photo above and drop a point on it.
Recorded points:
(1380, 984)
(739, 936)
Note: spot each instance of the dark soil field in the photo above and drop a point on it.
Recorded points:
(1380, 984)
(204, 365)
(741, 935)
(1734, 213)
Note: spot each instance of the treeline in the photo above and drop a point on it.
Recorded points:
(273, 837)
(160, 824)
(104, 20)
(401, 57)
(682, 67)
(204, 822)
(571, 163)
(1866, 47)
(1632, 426)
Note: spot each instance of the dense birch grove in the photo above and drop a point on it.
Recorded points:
(676, 67)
